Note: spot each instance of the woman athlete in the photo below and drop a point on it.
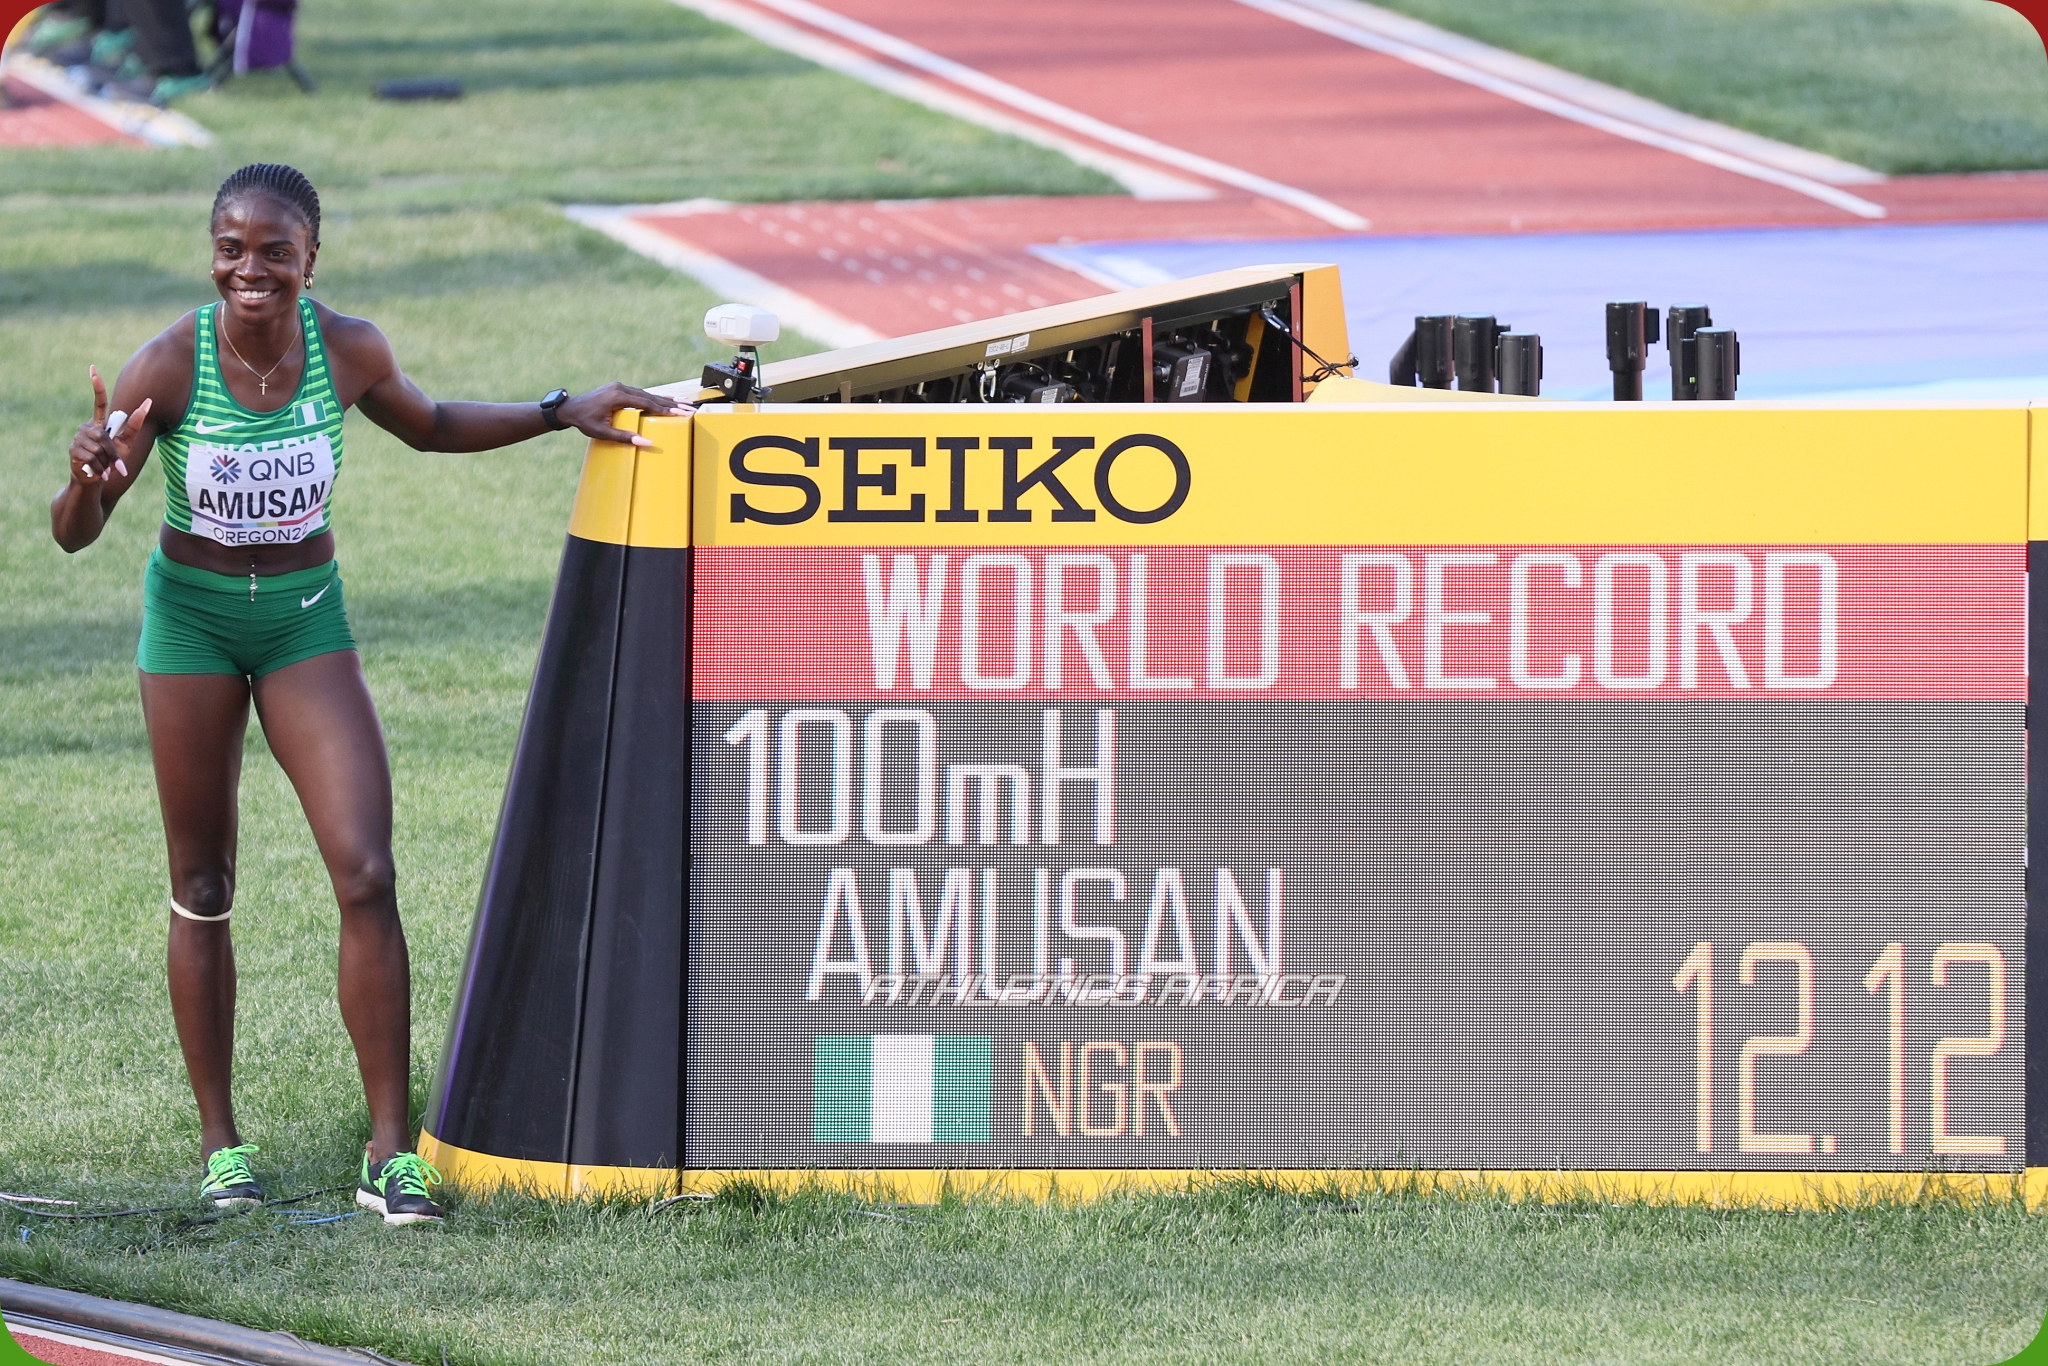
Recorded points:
(242, 600)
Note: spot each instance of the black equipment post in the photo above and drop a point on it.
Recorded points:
(1720, 361)
(1521, 363)
(1685, 321)
(1474, 339)
(1631, 327)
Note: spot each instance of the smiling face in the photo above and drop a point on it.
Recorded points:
(262, 253)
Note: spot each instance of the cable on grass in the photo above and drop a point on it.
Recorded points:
(164, 1209)
(660, 1205)
(104, 1214)
(375, 1355)
(289, 1223)
(187, 1225)
(34, 1199)
(1325, 368)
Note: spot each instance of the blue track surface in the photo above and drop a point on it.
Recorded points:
(1922, 312)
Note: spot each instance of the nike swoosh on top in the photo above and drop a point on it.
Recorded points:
(204, 428)
(308, 602)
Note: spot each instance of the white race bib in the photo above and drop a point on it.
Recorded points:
(264, 493)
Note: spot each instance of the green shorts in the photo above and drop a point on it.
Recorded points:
(198, 622)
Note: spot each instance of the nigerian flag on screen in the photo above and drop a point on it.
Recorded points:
(900, 1088)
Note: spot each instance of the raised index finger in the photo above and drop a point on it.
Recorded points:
(99, 396)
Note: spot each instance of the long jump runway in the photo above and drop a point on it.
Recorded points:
(1258, 123)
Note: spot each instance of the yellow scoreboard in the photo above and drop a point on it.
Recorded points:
(1019, 795)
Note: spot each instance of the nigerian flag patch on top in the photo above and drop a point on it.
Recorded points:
(900, 1088)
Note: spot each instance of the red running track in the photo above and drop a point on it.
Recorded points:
(29, 118)
(1410, 149)
(70, 1351)
(906, 267)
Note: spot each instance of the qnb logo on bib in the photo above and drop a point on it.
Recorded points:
(268, 493)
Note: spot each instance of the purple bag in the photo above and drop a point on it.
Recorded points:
(258, 31)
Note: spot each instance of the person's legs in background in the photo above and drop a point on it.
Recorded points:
(123, 49)
(166, 60)
(66, 29)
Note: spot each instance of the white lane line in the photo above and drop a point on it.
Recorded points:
(157, 127)
(1144, 182)
(1327, 18)
(732, 283)
(911, 55)
(1598, 96)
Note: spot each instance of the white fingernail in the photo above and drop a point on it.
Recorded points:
(122, 466)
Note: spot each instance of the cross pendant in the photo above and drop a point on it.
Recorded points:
(262, 389)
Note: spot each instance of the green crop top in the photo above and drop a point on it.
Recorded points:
(241, 477)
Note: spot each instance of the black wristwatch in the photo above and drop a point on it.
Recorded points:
(554, 399)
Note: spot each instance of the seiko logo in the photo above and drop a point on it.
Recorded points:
(869, 478)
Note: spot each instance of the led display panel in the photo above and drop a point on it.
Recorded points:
(1505, 791)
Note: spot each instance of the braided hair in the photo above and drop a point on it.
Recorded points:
(285, 184)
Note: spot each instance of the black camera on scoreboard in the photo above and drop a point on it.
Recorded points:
(1030, 383)
(738, 380)
(1180, 370)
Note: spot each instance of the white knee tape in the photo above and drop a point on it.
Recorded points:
(202, 919)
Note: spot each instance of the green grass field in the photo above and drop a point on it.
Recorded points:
(1901, 86)
(619, 101)
(1231, 1274)
(440, 226)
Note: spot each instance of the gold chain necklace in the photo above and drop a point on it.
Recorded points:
(262, 380)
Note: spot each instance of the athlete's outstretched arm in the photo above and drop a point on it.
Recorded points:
(391, 400)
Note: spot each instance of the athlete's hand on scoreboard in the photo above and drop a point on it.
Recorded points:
(96, 449)
(591, 413)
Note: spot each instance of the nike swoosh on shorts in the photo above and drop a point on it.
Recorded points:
(308, 602)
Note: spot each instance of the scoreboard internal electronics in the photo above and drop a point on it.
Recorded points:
(953, 792)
